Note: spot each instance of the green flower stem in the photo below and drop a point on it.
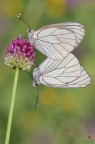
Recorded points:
(7, 138)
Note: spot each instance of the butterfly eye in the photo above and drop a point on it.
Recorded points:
(36, 84)
(29, 30)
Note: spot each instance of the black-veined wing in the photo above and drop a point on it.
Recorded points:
(64, 73)
(56, 41)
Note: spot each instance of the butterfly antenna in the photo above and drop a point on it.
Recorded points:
(21, 18)
(36, 65)
(37, 97)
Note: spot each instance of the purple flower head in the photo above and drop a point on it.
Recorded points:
(20, 54)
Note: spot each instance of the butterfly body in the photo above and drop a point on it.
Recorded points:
(31, 37)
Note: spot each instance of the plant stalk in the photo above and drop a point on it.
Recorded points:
(9, 124)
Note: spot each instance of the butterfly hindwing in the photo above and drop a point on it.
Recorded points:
(63, 74)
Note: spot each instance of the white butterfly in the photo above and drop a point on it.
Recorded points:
(56, 41)
(65, 73)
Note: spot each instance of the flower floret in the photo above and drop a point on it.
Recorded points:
(20, 54)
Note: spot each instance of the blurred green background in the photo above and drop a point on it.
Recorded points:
(62, 116)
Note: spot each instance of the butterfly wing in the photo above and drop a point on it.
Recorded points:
(56, 41)
(81, 81)
(64, 73)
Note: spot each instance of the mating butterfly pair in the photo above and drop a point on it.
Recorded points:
(61, 68)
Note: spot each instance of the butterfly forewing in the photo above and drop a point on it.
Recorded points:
(56, 41)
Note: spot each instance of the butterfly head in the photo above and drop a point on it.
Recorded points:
(30, 31)
(36, 75)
